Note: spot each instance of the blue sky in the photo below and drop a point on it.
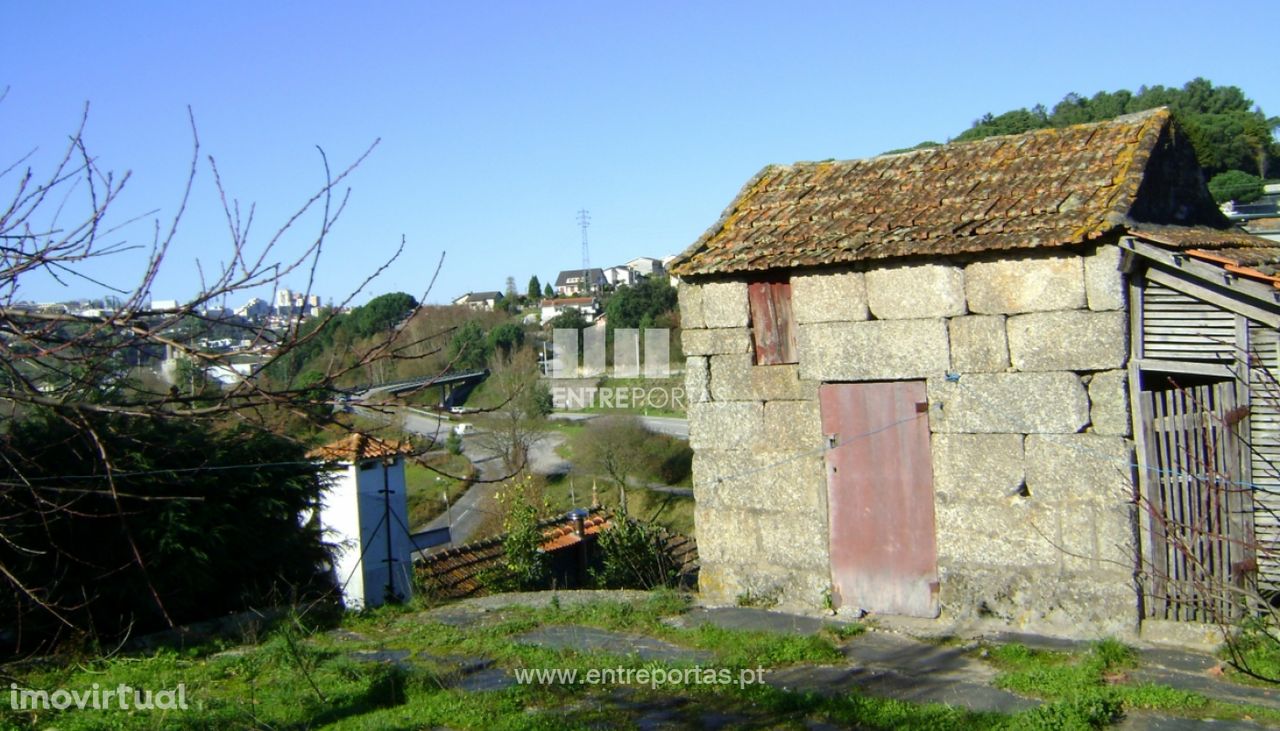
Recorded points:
(498, 121)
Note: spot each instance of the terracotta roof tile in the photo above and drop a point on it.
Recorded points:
(1047, 188)
(356, 447)
(563, 536)
(457, 572)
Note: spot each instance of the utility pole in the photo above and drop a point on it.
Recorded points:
(584, 220)
(391, 595)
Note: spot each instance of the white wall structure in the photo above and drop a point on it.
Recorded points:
(364, 513)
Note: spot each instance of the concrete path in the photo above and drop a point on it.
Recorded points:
(591, 639)
(877, 663)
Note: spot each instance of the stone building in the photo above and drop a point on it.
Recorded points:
(910, 376)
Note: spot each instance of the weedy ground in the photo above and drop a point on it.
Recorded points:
(301, 677)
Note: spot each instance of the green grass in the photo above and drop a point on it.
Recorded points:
(1090, 689)
(294, 679)
(424, 486)
(1256, 656)
(661, 397)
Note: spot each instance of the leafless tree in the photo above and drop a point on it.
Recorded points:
(614, 445)
(62, 222)
(518, 422)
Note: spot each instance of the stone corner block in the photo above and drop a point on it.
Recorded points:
(690, 299)
(697, 379)
(1103, 281)
(1109, 403)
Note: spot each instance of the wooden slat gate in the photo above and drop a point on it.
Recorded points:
(1195, 508)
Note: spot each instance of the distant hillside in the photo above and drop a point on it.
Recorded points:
(339, 335)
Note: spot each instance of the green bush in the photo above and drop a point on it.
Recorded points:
(524, 565)
(453, 443)
(633, 556)
(1235, 185)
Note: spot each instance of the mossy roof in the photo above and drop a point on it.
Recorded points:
(1042, 189)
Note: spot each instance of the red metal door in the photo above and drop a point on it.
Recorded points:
(880, 497)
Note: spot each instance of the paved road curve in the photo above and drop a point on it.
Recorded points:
(675, 426)
(465, 516)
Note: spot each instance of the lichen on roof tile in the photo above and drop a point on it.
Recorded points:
(1046, 188)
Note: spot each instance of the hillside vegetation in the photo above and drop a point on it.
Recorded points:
(1234, 138)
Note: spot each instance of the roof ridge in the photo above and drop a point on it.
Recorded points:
(1125, 119)
(1040, 189)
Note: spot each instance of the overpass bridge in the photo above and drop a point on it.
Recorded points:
(454, 387)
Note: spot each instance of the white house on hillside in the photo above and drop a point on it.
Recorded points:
(646, 266)
(586, 305)
(620, 275)
(478, 300)
(579, 281)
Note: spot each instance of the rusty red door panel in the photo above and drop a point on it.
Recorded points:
(880, 497)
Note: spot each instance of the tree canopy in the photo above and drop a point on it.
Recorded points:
(641, 305)
(570, 319)
(1228, 131)
(1235, 185)
(469, 350)
(322, 337)
(381, 313)
(506, 338)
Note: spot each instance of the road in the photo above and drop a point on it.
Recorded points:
(671, 425)
(466, 515)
